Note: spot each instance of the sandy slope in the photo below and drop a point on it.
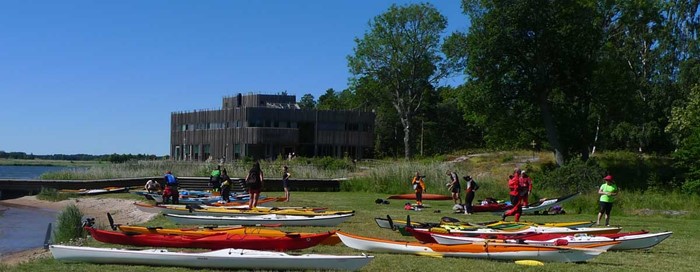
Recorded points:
(123, 211)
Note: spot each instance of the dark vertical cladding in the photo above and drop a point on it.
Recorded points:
(268, 126)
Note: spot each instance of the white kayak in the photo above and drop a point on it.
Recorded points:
(267, 219)
(627, 242)
(498, 251)
(103, 191)
(540, 229)
(224, 258)
(544, 205)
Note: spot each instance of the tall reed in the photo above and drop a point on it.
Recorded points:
(69, 225)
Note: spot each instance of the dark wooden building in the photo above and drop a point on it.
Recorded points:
(267, 126)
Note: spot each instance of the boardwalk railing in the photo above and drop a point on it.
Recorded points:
(18, 187)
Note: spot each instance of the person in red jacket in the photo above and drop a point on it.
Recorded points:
(513, 186)
(525, 188)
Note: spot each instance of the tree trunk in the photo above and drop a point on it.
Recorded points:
(406, 137)
(551, 129)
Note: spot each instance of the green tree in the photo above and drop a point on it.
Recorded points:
(307, 102)
(400, 53)
(529, 66)
(329, 101)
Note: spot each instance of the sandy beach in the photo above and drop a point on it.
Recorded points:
(123, 211)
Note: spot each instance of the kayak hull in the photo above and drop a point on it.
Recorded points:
(221, 259)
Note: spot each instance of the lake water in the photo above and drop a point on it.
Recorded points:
(27, 172)
(21, 227)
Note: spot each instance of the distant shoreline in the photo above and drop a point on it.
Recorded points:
(61, 163)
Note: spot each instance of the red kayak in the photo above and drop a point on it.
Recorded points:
(214, 241)
(425, 197)
(426, 237)
(491, 207)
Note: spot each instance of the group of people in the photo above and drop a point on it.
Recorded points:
(455, 189)
(170, 193)
(219, 181)
(453, 186)
(520, 187)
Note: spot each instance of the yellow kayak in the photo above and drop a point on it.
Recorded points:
(219, 211)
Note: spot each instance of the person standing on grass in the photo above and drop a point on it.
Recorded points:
(525, 188)
(471, 191)
(607, 193)
(285, 182)
(517, 207)
(419, 187)
(454, 187)
(171, 184)
(225, 187)
(254, 180)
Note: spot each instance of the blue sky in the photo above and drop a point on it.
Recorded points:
(102, 77)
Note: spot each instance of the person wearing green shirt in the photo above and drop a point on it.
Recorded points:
(215, 179)
(607, 193)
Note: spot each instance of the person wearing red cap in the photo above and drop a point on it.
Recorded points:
(607, 193)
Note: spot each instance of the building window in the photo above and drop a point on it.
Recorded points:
(237, 151)
(207, 151)
(353, 127)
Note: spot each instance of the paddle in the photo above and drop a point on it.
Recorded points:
(47, 238)
(391, 222)
(111, 222)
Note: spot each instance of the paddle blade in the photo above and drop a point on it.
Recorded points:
(47, 238)
(111, 221)
(430, 254)
(391, 222)
(529, 262)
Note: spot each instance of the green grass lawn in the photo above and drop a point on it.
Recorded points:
(678, 253)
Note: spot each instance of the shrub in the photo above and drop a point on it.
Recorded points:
(51, 194)
(328, 163)
(575, 176)
(691, 187)
(633, 171)
(69, 225)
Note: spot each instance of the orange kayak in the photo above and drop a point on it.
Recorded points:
(205, 231)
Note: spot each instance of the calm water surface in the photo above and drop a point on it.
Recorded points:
(27, 172)
(23, 227)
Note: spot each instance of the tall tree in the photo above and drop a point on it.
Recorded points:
(529, 65)
(307, 102)
(401, 54)
(329, 101)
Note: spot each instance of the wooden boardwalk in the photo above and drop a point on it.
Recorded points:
(16, 187)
